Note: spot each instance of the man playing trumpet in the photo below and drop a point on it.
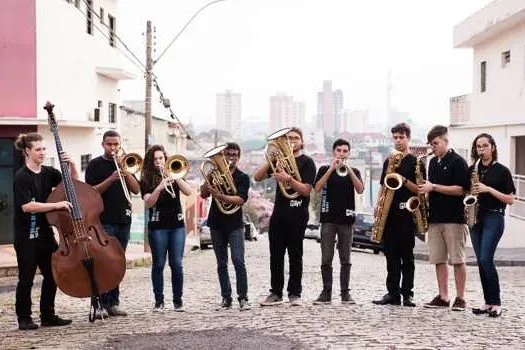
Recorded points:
(337, 184)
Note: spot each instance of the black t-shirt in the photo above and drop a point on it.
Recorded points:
(29, 187)
(451, 170)
(299, 205)
(167, 211)
(406, 169)
(337, 197)
(223, 222)
(498, 177)
(117, 210)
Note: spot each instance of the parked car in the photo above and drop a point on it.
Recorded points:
(313, 231)
(204, 234)
(250, 231)
(363, 233)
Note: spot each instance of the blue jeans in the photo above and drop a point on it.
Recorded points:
(120, 232)
(170, 241)
(485, 236)
(220, 240)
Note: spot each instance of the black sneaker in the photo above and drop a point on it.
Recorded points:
(408, 301)
(388, 299)
(272, 299)
(159, 307)
(323, 298)
(437, 302)
(346, 298)
(178, 306)
(115, 310)
(459, 304)
(54, 321)
(244, 304)
(26, 324)
(225, 304)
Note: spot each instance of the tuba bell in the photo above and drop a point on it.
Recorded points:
(129, 162)
(175, 168)
(216, 172)
(279, 154)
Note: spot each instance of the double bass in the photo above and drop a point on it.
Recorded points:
(88, 261)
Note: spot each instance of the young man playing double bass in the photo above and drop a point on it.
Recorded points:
(34, 241)
(399, 231)
(288, 223)
(102, 174)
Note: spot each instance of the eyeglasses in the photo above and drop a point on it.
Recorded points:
(233, 155)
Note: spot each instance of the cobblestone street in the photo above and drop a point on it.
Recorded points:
(335, 327)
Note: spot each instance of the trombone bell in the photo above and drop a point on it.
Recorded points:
(177, 166)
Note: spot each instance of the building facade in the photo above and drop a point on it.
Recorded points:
(229, 109)
(65, 52)
(496, 105)
(329, 107)
(285, 112)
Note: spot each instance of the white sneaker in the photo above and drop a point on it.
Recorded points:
(295, 300)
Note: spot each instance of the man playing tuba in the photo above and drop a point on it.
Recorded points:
(398, 236)
(290, 213)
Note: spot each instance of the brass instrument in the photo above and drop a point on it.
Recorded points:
(471, 201)
(342, 168)
(216, 172)
(418, 205)
(175, 168)
(392, 183)
(279, 154)
(128, 162)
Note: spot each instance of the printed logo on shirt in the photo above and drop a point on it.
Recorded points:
(180, 217)
(350, 212)
(325, 205)
(155, 215)
(294, 203)
(33, 228)
(128, 212)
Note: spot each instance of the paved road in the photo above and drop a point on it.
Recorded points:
(336, 327)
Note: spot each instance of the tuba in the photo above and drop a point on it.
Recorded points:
(216, 172)
(279, 154)
(418, 205)
(392, 183)
(175, 168)
(129, 162)
(471, 201)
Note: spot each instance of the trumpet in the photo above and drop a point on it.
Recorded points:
(128, 162)
(175, 168)
(342, 168)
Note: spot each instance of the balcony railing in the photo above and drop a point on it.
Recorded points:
(517, 210)
(460, 109)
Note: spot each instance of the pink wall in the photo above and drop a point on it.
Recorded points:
(18, 58)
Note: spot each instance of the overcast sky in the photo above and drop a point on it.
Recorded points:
(260, 47)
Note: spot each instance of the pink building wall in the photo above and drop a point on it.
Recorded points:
(18, 58)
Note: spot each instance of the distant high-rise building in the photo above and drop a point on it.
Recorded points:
(329, 107)
(229, 113)
(284, 112)
(355, 121)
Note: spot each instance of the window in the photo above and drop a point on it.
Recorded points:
(101, 15)
(96, 115)
(112, 110)
(483, 72)
(89, 16)
(505, 58)
(112, 27)
(84, 161)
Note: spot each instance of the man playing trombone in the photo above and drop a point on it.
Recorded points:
(114, 183)
(337, 183)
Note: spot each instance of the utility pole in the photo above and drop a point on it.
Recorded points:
(147, 116)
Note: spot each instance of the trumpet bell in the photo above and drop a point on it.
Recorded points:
(131, 162)
(177, 166)
(393, 181)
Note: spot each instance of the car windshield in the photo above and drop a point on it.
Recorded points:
(364, 219)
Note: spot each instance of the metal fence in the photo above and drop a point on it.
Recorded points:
(518, 208)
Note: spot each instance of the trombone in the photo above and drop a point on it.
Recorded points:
(128, 162)
(175, 168)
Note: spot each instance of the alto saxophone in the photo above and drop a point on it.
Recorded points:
(392, 183)
(471, 201)
(418, 205)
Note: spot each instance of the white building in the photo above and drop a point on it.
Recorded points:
(355, 121)
(285, 112)
(229, 113)
(329, 107)
(496, 105)
(54, 50)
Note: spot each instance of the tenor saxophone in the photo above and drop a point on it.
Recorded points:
(418, 205)
(392, 183)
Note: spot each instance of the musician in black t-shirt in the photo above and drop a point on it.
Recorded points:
(228, 228)
(337, 218)
(102, 174)
(494, 192)
(288, 223)
(34, 241)
(166, 232)
(399, 231)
